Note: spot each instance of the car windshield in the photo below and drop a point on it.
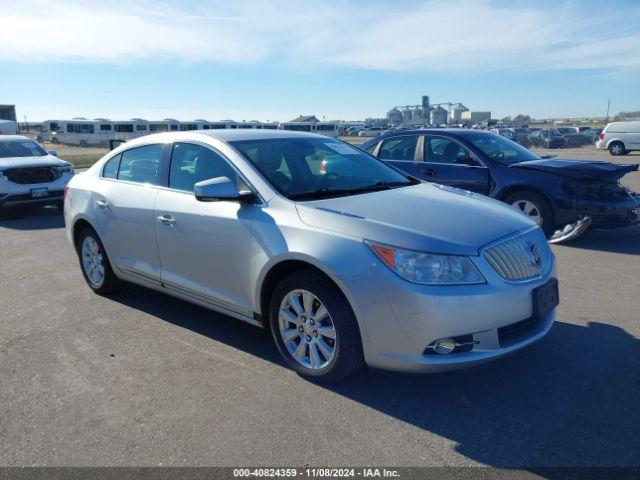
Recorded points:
(503, 150)
(307, 168)
(20, 148)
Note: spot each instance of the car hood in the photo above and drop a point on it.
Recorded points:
(580, 168)
(18, 162)
(425, 217)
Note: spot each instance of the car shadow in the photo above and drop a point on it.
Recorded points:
(570, 400)
(31, 218)
(623, 240)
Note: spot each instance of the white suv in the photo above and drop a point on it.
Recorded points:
(30, 175)
(620, 138)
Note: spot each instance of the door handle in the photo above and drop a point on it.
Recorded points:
(102, 204)
(429, 171)
(166, 219)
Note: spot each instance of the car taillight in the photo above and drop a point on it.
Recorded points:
(601, 136)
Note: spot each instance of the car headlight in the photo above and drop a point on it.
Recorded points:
(65, 169)
(427, 268)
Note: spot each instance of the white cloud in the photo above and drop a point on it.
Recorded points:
(437, 35)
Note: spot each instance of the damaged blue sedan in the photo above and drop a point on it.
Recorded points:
(564, 197)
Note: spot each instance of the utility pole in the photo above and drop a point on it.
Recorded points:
(608, 105)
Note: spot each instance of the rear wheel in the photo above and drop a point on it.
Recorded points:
(617, 148)
(534, 206)
(314, 328)
(94, 263)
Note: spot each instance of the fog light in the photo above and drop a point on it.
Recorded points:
(445, 346)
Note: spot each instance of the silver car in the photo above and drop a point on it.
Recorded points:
(360, 265)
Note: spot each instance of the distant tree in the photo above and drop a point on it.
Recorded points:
(521, 119)
(506, 120)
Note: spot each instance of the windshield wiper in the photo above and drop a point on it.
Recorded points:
(327, 192)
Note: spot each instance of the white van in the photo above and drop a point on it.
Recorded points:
(620, 138)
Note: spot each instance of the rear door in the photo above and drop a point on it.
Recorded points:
(401, 152)
(448, 162)
(123, 203)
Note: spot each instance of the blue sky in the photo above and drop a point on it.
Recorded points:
(276, 59)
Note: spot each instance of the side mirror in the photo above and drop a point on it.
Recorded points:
(221, 189)
(53, 152)
(113, 144)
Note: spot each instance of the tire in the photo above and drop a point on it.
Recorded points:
(617, 149)
(522, 200)
(108, 282)
(346, 348)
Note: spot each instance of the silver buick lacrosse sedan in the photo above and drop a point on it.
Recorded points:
(343, 258)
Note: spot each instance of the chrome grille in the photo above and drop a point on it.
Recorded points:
(520, 258)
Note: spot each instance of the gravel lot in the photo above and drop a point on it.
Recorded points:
(141, 378)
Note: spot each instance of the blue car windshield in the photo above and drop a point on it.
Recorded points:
(503, 150)
(307, 168)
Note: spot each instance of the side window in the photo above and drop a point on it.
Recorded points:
(141, 165)
(371, 148)
(192, 163)
(110, 169)
(444, 150)
(399, 148)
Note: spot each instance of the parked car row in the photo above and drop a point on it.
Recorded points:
(561, 137)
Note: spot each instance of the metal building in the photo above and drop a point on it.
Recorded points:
(8, 112)
(438, 115)
(394, 116)
(426, 109)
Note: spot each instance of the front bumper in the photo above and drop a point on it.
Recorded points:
(15, 200)
(400, 320)
(13, 194)
(604, 213)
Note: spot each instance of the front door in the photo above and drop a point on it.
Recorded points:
(448, 162)
(205, 247)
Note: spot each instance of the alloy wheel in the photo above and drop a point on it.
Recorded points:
(93, 262)
(529, 209)
(307, 330)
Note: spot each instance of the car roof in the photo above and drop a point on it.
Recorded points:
(230, 135)
(8, 138)
(225, 135)
(451, 132)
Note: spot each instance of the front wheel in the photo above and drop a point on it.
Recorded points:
(94, 263)
(314, 328)
(535, 207)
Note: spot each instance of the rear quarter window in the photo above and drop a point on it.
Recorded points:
(110, 169)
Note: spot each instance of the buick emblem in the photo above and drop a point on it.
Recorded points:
(534, 253)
